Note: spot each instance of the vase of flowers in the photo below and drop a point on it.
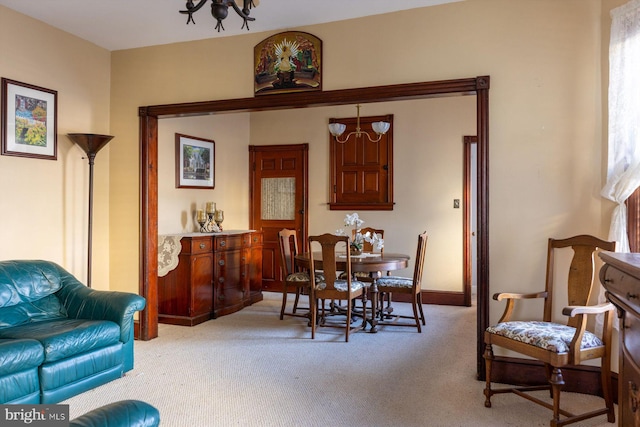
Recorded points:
(357, 240)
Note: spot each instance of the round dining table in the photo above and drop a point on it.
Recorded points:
(372, 263)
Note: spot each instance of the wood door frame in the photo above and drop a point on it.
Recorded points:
(148, 126)
(466, 224)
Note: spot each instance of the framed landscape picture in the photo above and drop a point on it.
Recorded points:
(195, 162)
(29, 120)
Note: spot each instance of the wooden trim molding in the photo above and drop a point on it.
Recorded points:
(148, 123)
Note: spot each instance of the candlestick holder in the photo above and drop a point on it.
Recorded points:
(219, 217)
(202, 222)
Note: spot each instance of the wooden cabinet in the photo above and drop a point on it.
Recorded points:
(185, 295)
(216, 275)
(621, 278)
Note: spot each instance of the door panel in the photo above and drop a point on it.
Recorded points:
(278, 199)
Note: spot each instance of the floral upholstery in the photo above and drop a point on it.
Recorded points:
(358, 275)
(341, 285)
(546, 335)
(395, 282)
(301, 276)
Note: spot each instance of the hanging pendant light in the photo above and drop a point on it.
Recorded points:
(220, 10)
(380, 128)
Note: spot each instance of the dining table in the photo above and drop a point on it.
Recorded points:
(372, 263)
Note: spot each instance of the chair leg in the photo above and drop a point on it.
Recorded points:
(556, 381)
(488, 359)
(420, 308)
(414, 305)
(605, 372)
(346, 335)
(284, 300)
(313, 303)
(295, 302)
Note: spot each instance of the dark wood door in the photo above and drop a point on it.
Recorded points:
(278, 199)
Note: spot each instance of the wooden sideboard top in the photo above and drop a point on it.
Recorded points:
(627, 262)
(222, 233)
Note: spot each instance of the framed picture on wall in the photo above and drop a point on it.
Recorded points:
(195, 162)
(287, 62)
(29, 120)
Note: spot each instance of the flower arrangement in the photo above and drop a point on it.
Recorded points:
(353, 220)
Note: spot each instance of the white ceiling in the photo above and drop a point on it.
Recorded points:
(124, 24)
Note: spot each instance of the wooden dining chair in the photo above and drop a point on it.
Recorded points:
(405, 285)
(333, 288)
(557, 345)
(297, 280)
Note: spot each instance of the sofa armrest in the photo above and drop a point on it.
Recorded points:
(82, 302)
(126, 413)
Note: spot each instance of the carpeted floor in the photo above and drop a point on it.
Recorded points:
(252, 369)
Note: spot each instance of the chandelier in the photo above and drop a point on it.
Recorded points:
(337, 129)
(220, 10)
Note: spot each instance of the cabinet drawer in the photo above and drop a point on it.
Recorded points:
(196, 245)
(624, 286)
(224, 243)
(254, 239)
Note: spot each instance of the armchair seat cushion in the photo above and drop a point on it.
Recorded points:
(62, 338)
(341, 285)
(546, 335)
(395, 282)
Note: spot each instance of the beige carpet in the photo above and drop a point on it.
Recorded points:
(252, 369)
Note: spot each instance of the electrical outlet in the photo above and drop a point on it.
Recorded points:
(456, 203)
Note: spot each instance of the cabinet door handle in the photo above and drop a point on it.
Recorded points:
(221, 262)
(223, 243)
(202, 246)
(632, 296)
(221, 279)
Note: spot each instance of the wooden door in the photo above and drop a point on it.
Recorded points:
(278, 199)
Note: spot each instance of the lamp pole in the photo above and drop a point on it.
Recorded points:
(91, 143)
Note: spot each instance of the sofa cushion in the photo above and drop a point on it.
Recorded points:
(64, 338)
(26, 292)
(19, 355)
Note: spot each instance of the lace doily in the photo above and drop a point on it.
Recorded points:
(168, 251)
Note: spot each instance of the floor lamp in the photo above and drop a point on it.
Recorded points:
(91, 144)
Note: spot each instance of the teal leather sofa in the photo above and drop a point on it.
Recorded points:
(125, 413)
(59, 338)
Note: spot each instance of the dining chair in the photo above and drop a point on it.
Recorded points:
(557, 345)
(405, 285)
(298, 280)
(333, 288)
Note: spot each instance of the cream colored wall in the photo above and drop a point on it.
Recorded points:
(428, 166)
(177, 206)
(545, 104)
(44, 202)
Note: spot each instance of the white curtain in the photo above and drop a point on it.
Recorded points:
(623, 169)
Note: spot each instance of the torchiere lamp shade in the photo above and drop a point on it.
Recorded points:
(91, 143)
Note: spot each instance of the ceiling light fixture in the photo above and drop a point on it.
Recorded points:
(337, 129)
(220, 10)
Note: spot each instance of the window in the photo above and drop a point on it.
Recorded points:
(361, 170)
